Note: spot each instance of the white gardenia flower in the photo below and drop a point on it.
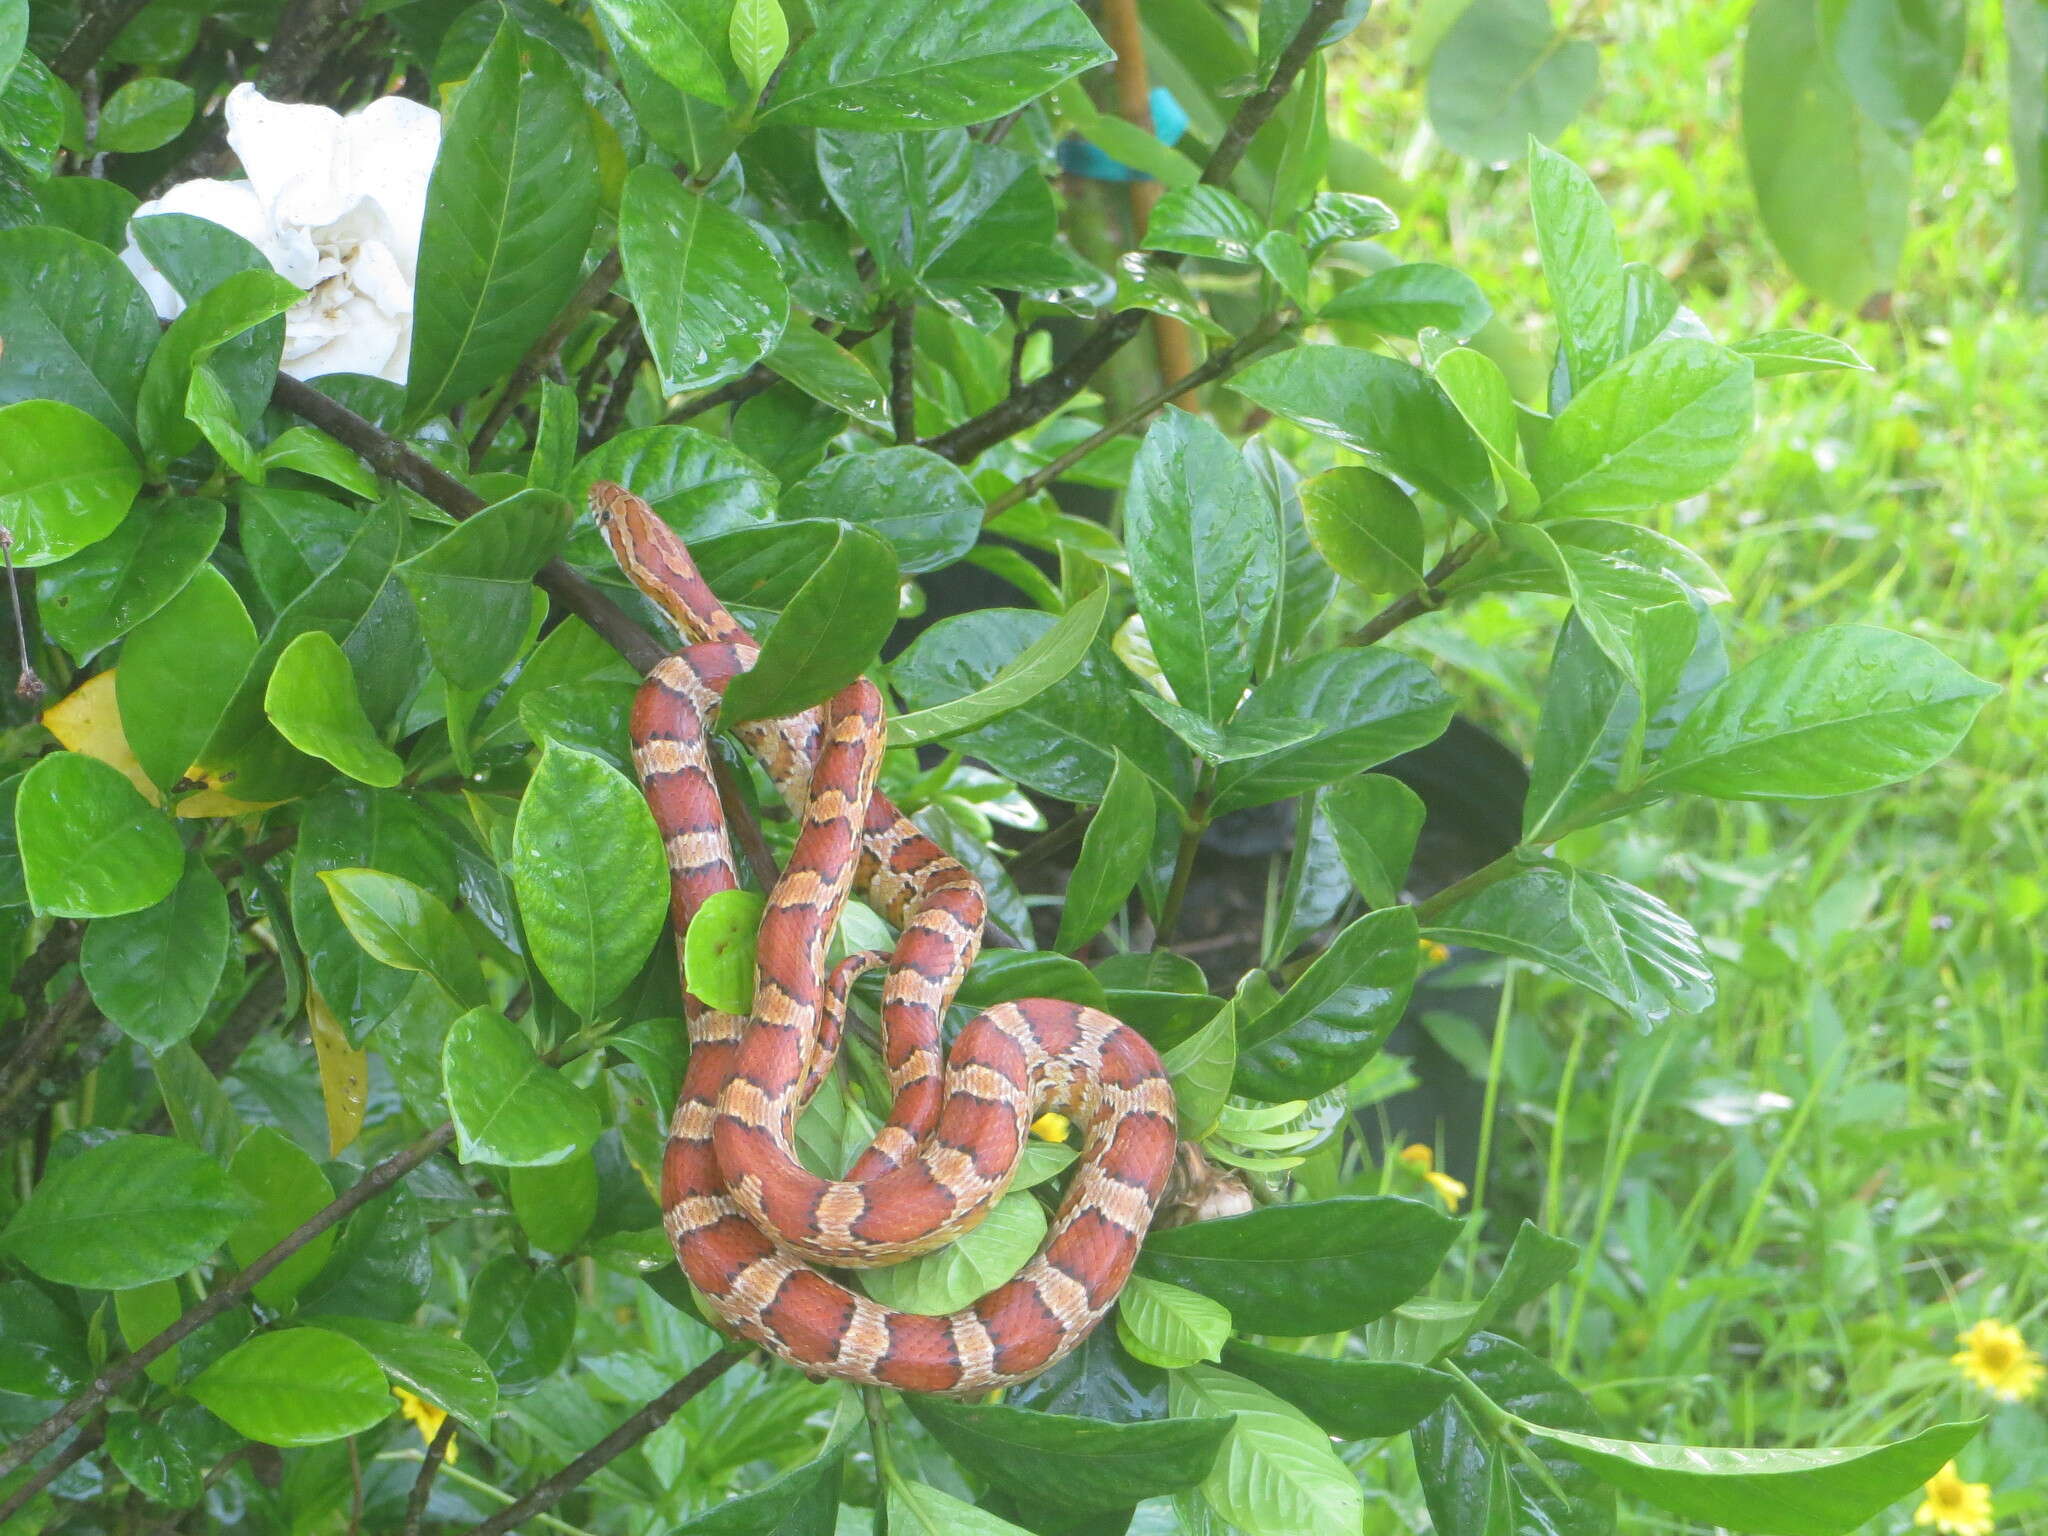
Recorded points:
(335, 204)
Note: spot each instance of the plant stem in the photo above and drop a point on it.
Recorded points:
(1507, 864)
(82, 1444)
(551, 1491)
(117, 1375)
(885, 1461)
(903, 372)
(1426, 598)
(423, 1485)
(538, 356)
(1184, 858)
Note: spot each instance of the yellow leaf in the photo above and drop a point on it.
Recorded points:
(344, 1075)
(88, 720)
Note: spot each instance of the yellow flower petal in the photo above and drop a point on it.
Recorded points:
(428, 1417)
(1954, 1507)
(1051, 1127)
(1418, 1157)
(1995, 1357)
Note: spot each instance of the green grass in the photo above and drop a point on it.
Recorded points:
(1799, 1278)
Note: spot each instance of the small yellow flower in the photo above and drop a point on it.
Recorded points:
(426, 1416)
(1995, 1357)
(1433, 953)
(1954, 1507)
(1423, 1161)
(1051, 1127)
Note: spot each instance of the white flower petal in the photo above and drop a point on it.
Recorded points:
(354, 337)
(292, 154)
(232, 204)
(392, 143)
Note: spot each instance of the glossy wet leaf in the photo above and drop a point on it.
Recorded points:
(1351, 1398)
(1374, 822)
(90, 845)
(521, 1319)
(311, 699)
(711, 298)
(801, 1502)
(1828, 712)
(824, 370)
(285, 1186)
(1365, 526)
(473, 586)
(924, 506)
(1317, 1266)
(1073, 1463)
(1405, 300)
(1230, 743)
(882, 64)
(556, 1203)
(154, 971)
(1201, 1068)
(1387, 410)
(301, 1386)
(66, 481)
(42, 1351)
(682, 41)
(1776, 353)
(79, 328)
(1336, 1016)
(967, 1268)
(829, 633)
(407, 927)
(590, 876)
(1037, 667)
(718, 950)
(92, 598)
(510, 208)
(918, 1509)
(1581, 263)
(1168, 1325)
(1114, 852)
(511, 1109)
(124, 1213)
(144, 114)
(1205, 560)
(1277, 1474)
(152, 1459)
(239, 303)
(701, 485)
(443, 1370)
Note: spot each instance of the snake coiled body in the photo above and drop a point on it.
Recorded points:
(749, 1223)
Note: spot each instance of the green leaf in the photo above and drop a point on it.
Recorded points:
(1201, 1068)
(967, 1268)
(209, 408)
(759, 37)
(1389, 411)
(1665, 423)
(820, 367)
(1783, 1491)
(1365, 526)
(179, 669)
(1536, 1261)
(1368, 705)
(406, 927)
(1406, 300)
(801, 1502)
(1898, 58)
(1777, 353)
(830, 632)
(1503, 75)
(590, 876)
(1602, 933)
(1581, 263)
(152, 1459)
(1150, 285)
(33, 109)
(153, 972)
(1352, 1399)
(1374, 820)
(1230, 743)
(522, 1320)
(1115, 850)
(1204, 221)
(79, 328)
(1059, 1460)
(1829, 712)
(1168, 1325)
(444, 1371)
(124, 1213)
(1317, 1266)
(1041, 664)
(1834, 188)
(196, 1103)
(237, 303)
(510, 1108)
(473, 589)
(89, 600)
(312, 452)
(65, 480)
(301, 1386)
(91, 846)
(883, 65)
(1335, 216)
(1478, 389)
(700, 485)
(1277, 1475)
(42, 1352)
(1205, 560)
(923, 506)
(556, 1204)
(682, 41)
(14, 23)
(144, 114)
(1062, 741)
(718, 951)
(916, 1509)
(711, 298)
(144, 1311)
(510, 209)
(311, 699)
(1336, 1016)
(285, 1186)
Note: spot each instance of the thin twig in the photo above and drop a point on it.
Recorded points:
(119, 1373)
(98, 27)
(603, 278)
(551, 1491)
(1051, 390)
(903, 372)
(1184, 857)
(430, 1468)
(615, 403)
(1423, 599)
(1218, 365)
(84, 1442)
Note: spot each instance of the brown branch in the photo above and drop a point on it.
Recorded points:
(1047, 393)
(308, 33)
(120, 1373)
(82, 1444)
(1218, 365)
(756, 379)
(423, 1485)
(538, 356)
(615, 403)
(1424, 599)
(903, 372)
(98, 27)
(551, 1491)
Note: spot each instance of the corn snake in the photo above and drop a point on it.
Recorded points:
(750, 1225)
